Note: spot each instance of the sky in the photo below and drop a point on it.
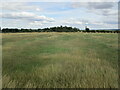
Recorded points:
(95, 15)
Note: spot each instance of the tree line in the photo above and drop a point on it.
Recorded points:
(56, 29)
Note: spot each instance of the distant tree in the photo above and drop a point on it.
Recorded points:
(87, 29)
(0, 30)
(56, 29)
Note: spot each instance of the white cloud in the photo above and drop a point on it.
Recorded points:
(61, 0)
(105, 14)
(72, 21)
(27, 16)
(38, 9)
(94, 0)
(18, 6)
(36, 23)
(40, 23)
(106, 23)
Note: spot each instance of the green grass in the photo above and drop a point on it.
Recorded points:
(60, 60)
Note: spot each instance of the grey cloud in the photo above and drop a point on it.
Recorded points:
(93, 5)
(100, 5)
(99, 8)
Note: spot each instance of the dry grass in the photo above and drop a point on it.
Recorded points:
(60, 60)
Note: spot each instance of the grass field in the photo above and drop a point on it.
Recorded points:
(60, 60)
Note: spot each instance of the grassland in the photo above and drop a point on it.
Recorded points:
(60, 60)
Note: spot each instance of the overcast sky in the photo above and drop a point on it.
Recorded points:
(95, 15)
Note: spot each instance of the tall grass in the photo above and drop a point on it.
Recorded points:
(60, 60)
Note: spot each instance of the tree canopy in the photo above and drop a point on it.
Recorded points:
(56, 29)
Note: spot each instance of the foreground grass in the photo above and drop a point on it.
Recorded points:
(60, 60)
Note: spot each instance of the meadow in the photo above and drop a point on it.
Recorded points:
(60, 60)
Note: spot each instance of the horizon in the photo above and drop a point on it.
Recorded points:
(59, 26)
